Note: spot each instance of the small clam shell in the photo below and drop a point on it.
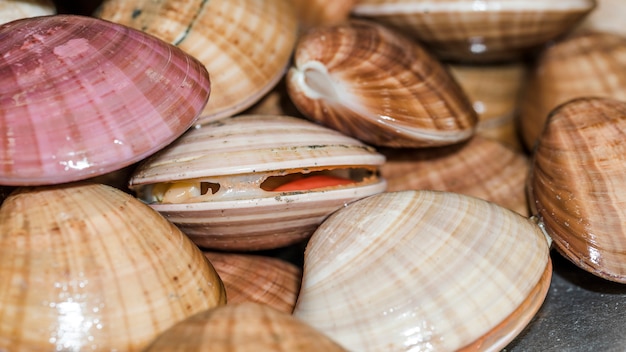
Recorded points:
(371, 83)
(257, 278)
(80, 97)
(246, 45)
(89, 267)
(578, 184)
(423, 270)
(17, 9)
(467, 168)
(243, 327)
(232, 168)
(587, 64)
(478, 31)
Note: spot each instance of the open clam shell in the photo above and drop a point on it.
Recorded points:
(89, 267)
(218, 182)
(374, 84)
(246, 45)
(423, 270)
(80, 97)
(577, 184)
(478, 31)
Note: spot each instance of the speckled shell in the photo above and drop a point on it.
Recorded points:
(239, 154)
(88, 267)
(423, 270)
(80, 97)
(241, 328)
(371, 83)
(258, 278)
(245, 45)
(17, 9)
(481, 168)
(578, 184)
(478, 31)
(587, 64)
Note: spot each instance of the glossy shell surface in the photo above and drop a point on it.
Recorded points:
(17, 9)
(578, 184)
(246, 45)
(238, 156)
(423, 270)
(478, 31)
(89, 267)
(80, 97)
(378, 86)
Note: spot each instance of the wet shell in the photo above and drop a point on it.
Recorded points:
(258, 278)
(246, 45)
(578, 184)
(468, 168)
(378, 86)
(17, 9)
(88, 267)
(587, 64)
(80, 97)
(478, 31)
(423, 270)
(243, 327)
(224, 175)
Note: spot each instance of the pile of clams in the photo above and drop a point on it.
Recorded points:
(380, 176)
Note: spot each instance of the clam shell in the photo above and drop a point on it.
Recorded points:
(578, 184)
(80, 97)
(371, 83)
(89, 267)
(586, 64)
(468, 168)
(258, 278)
(246, 45)
(11, 10)
(478, 31)
(243, 327)
(322, 12)
(242, 155)
(423, 270)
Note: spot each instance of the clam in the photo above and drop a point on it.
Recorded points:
(81, 97)
(423, 271)
(577, 184)
(236, 183)
(243, 327)
(17, 9)
(374, 84)
(246, 45)
(258, 278)
(89, 267)
(478, 31)
(467, 168)
(583, 65)
(322, 12)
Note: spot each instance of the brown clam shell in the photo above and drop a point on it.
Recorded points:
(577, 184)
(89, 267)
(586, 64)
(374, 84)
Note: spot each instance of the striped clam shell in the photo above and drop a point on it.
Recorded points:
(376, 85)
(443, 272)
(80, 97)
(89, 267)
(577, 184)
(478, 31)
(233, 165)
(245, 45)
(17, 9)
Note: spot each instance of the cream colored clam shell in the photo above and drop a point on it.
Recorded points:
(423, 270)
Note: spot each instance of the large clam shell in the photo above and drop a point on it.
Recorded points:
(246, 45)
(80, 97)
(240, 328)
(578, 184)
(374, 84)
(583, 65)
(424, 271)
(89, 267)
(478, 31)
(232, 168)
(17, 9)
